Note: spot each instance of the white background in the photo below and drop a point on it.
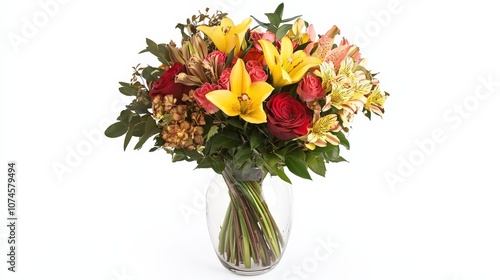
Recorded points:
(115, 215)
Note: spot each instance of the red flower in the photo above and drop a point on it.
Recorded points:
(166, 84)
(203, 102)
(287, 118)
(254, 54)
(310, 88)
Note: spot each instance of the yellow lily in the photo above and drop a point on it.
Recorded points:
(287, 67)
(245, 98)
(227, 36)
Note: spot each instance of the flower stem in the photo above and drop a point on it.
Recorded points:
(249, 230)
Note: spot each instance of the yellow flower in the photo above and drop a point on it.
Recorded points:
(375, 101)
(227, 36)
(245, 98)
(348, 87)
(320, 133)
(295, 33)
(287, 67)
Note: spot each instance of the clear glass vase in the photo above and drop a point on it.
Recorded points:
(249, 218)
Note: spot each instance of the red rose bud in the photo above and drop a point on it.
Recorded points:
(166, 84)
(202, 101)
(310, 88)
(287, 118)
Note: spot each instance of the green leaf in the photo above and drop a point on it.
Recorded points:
(279, 10)
(218, 164)
(229, 58)
(128, 136)
(343, 139)
(290, 19)
(254, 140)
(213, 130)
(225, 139)
(116, 130)
(133, 121)
(297, 167)
(368, 114)
(281, 173)
(298, 153)
(125, 116)
(151, 74)
(157, 50)
(274, 19)
(150, 129)
(316, 164)
(242, 155)
(263, 24)
(282, 31)
(128, 90)
(178, 157)
(139, 128)
(339, 159)
(235, 122)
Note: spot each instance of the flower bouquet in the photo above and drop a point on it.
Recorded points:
(249, 102)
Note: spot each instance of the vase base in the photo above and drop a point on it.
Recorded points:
(254, 270)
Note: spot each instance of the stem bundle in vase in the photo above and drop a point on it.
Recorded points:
(249, 230)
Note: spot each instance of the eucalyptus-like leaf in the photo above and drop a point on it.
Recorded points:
(150, 129)
(116, 130)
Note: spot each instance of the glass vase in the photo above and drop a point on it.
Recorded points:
(249, 217)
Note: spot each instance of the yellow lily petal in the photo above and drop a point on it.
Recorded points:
(288, 67)
(239, 79)
(217, 36)
(225, 100)
(252, 109)
(286, 52)
(227, 36)
(259, 91)
(244, 98)
(271, 54)
(301, 65)
(242, 28)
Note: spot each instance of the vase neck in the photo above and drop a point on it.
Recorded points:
(244, 174)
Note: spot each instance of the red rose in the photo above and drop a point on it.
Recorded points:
(287, 118)
(310, 88)
(203, 102)
(166, 84)
(225, 78)
(256, 72)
